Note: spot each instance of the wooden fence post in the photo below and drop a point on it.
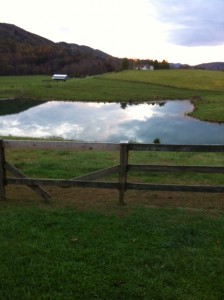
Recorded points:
(123, 171)
(2, 171)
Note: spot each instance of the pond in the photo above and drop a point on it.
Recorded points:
(112, 122)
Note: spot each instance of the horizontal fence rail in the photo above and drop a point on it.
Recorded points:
(122, 169)
(159, 168)
(176, 148)
(52, 145)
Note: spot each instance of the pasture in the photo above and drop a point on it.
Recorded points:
(82, 244)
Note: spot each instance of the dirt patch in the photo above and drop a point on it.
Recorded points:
(107, 200)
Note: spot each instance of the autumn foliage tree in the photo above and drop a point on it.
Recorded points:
(23, 53)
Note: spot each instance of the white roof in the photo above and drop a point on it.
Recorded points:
(60, 75)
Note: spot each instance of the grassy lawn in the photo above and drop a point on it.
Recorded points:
(64, 253)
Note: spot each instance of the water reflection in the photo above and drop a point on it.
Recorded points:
(12, 106)
(113, 122)
(126, 104)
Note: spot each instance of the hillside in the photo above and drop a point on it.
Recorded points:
(25, 53)
(213, 66)
(216, 66)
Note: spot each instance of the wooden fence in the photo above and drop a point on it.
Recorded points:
(122, 169)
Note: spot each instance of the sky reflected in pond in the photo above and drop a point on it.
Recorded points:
(108, 122)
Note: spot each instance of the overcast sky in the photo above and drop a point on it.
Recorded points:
(185, 31)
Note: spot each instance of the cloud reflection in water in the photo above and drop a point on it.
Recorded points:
(108, 122)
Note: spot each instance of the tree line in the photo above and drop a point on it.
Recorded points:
(140, 63)
(26, 59)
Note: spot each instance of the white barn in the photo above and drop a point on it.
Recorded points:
(145, 68)
(148, 68)
(60, 77)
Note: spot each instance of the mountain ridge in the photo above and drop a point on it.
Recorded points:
(217, 66)
(24, 53)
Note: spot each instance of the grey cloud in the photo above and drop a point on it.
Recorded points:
(195, 22)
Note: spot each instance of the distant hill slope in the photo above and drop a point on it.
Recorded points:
(217, 66)
(24, 53)
(15, 34)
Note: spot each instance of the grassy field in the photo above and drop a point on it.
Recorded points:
(145, 254)
(204, 88)
(67, 164)
(81, 244)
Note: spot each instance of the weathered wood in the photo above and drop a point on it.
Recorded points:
(37, 189)
(176, 148)
(99, 174)
(2, 171)
(160, 168)
(123, 171)
(62, 183)
(53, 145)
(175, 188)
(86, 181)
(62, 145)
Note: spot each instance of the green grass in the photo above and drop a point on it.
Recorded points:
(97, 88)
(49, 253)
(188, 79)
(204, 88)
(53, 252)
(69, 164)
(61, 164)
